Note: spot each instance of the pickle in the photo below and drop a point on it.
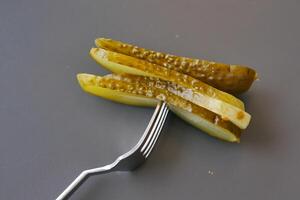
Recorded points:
(145, 91)
(226, 105)
(234, 79)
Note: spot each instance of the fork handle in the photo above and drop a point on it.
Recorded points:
(83, 176)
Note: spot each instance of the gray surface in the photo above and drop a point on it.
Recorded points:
(51, 130)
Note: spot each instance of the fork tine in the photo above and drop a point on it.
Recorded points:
(153, 130)
(152, 124)
(156, 129)
(144, 138)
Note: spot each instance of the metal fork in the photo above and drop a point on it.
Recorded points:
(130, 160)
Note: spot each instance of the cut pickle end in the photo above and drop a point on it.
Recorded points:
(109, 87)
(226, 105)
(229, 78)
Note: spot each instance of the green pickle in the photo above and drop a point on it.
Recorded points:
(233, 79)
(227, 106)
(146, 91)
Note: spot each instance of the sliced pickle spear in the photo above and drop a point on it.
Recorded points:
(226, 105)
(120, 64)
(144, 91)
(229, 78)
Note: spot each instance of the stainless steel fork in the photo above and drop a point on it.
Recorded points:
(130, 160)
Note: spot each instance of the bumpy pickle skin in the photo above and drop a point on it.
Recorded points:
(234, 79)
(226, 105)
(144, 91)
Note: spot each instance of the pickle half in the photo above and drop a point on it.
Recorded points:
(145, 91)
(234, 79)
(221, 103)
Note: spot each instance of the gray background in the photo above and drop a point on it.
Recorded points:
(50, 129)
